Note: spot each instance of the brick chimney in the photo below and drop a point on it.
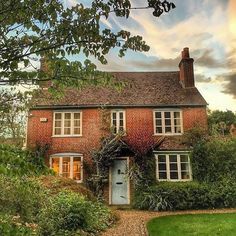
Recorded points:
(186, 70)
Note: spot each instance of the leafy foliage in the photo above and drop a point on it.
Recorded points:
(48, 29)
(187, 195)
(69, 212)
(17, 162)
(220, 121)
(214, 160)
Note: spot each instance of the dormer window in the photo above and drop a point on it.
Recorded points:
(118, 121)
(67, 124)
(168, 122)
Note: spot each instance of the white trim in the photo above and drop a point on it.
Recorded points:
(128, 181)
(117, 111)
(178, 153)
(71, 126)
(162, 111)
(71, 156)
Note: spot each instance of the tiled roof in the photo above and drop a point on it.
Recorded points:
(144, 89)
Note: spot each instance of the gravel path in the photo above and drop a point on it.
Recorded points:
(133, 223)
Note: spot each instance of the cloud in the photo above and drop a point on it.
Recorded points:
(208, 60)
(152, 63)
(200, 78)
(230, 87)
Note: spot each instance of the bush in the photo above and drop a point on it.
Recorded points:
(21, 196)
(187, 196)
(12, 225)
(17, 162)
(69, 212)
(214, 160)
(172, 196)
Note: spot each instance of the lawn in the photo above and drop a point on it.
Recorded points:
(202, 224)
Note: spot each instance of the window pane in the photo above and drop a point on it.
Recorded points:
(76, 123)
(167, 129)
(66, 167)
(185, 175)
(58, 116)
(57, 123)
(68, 116)
(157, 115)
(77, 168)
(158, 122)
(161, 158)
(77, 131)
(185, 166)
(55, 164)
(57, 131)
(178, 130)
(121, 123)
(114, 116)
(76, 116)
(167, 122)
(184, 158)
(67, 131)
(177, 114)
(173, 175)
(167, 114)
(162, 167)
(121, 115)
(173, 158)
(67, 123)
(158, 130)
(177, 122)
(162, 175)
(174, 166)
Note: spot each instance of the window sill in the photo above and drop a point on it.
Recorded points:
(66, 136)
(174, 180)
(159, 134)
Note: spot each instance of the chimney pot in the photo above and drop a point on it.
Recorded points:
(185, 53)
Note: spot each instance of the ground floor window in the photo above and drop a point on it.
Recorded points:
(173, 166)
(69, 166)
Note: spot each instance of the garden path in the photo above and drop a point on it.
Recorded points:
(133, 223)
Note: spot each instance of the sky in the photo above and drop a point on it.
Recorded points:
(207, 27)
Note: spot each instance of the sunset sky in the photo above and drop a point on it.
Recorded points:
(207, 27)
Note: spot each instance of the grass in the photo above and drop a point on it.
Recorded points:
(189, 225)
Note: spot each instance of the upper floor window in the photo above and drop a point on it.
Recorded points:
(168, 122)
(68, 166)
(118, 121)
(67, 124)
(173, 166)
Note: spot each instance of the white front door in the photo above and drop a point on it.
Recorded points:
(119, 182)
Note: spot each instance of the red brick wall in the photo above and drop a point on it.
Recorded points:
(139, 126)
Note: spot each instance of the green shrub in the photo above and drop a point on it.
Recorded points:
(12, 225)
(186, 196)
(214, 160)
(21, 196)
(69, 212)
(17, 162)
(173, 196)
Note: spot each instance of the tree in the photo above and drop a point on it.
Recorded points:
(220, 121)
(12, 117)
(45, 28)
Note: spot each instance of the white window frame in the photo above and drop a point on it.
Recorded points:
(71, 156)
(167, 154)
(118, 120)
(62, 125)
(162, 111)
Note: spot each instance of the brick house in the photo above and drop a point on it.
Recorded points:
(154, 110)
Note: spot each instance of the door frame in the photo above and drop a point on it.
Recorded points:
(128, 181)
